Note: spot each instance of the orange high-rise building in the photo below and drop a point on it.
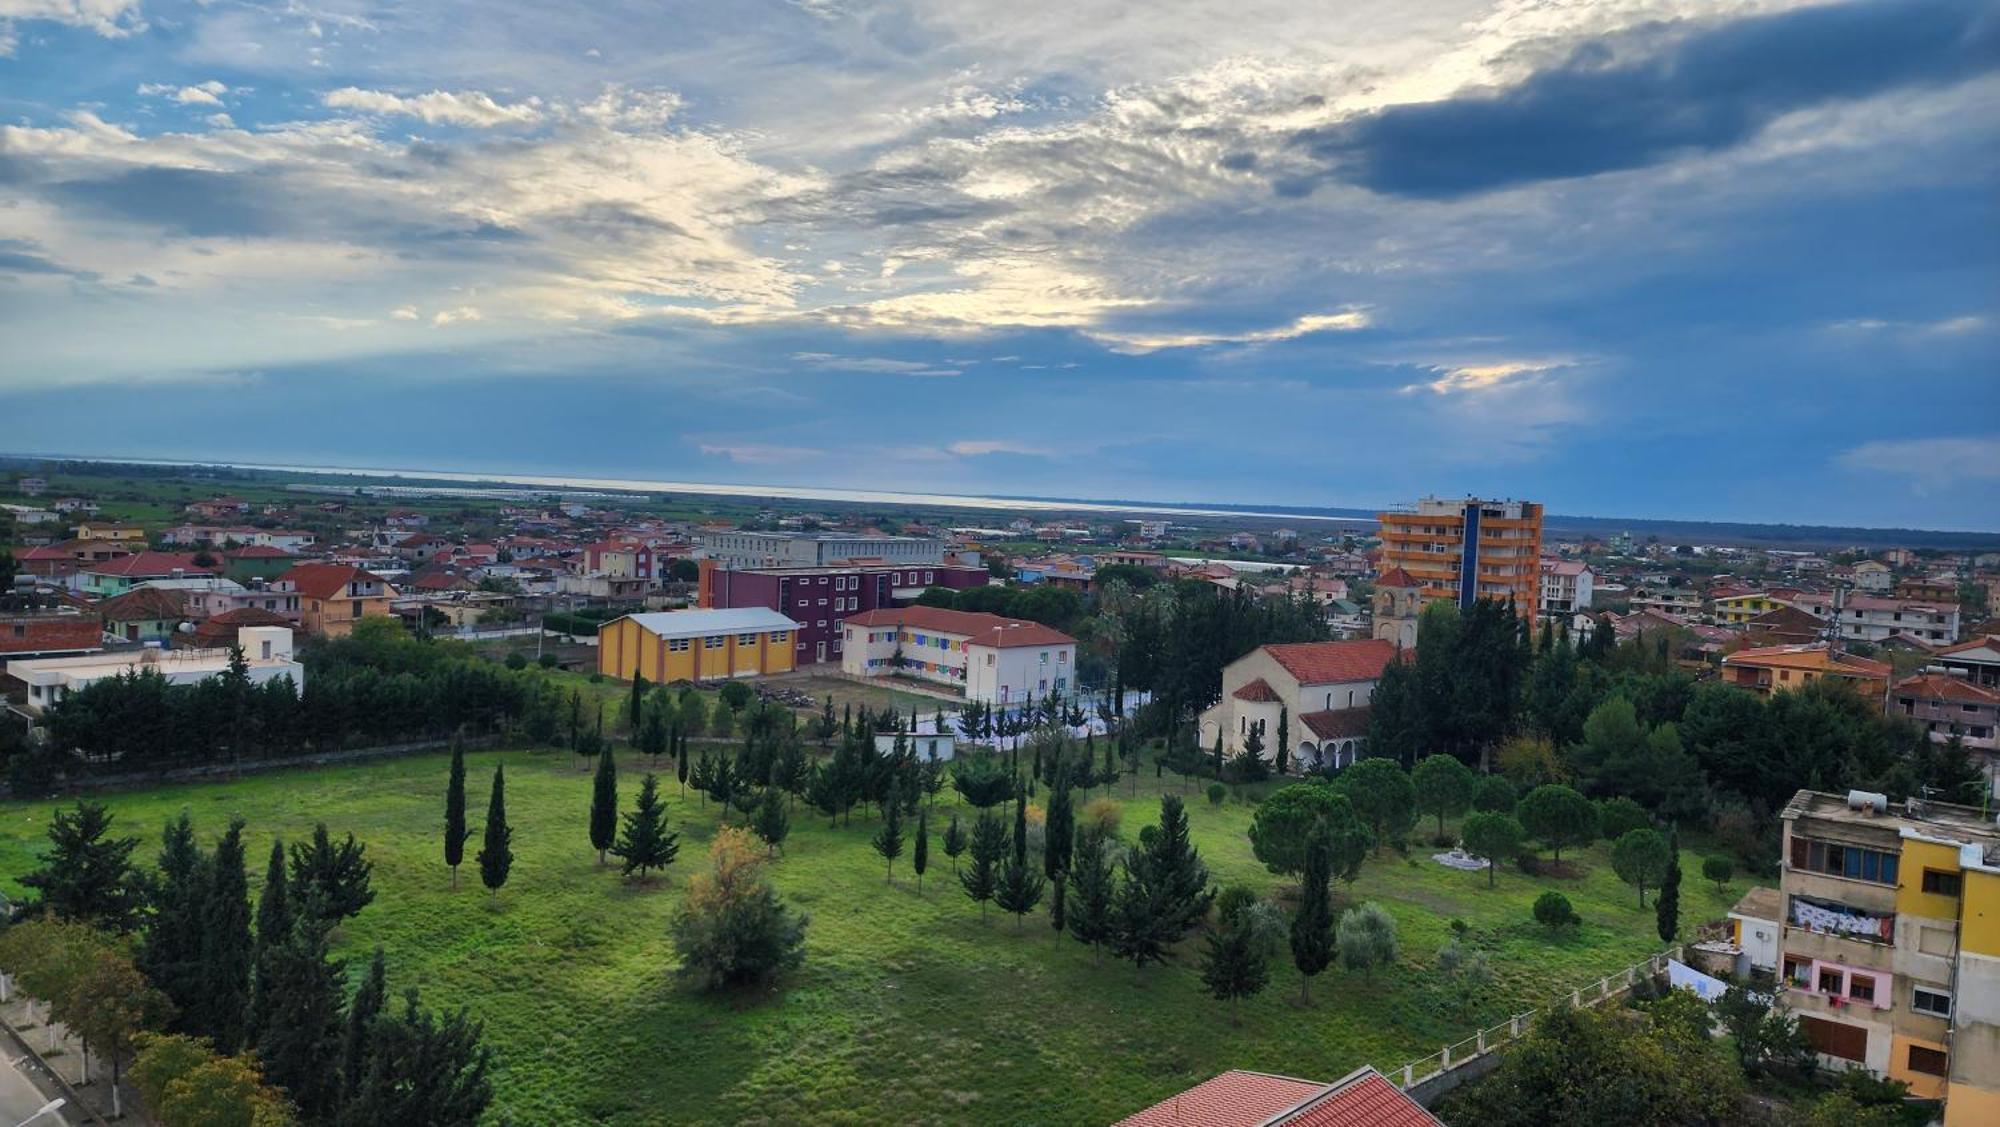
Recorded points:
(1468, 549)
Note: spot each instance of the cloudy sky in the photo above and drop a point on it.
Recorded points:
(1680, 258)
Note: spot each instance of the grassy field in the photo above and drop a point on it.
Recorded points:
(910, 1009)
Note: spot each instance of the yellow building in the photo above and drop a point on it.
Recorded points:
(1890, 943)
(696, 645)
(111, 530)
(1467, 549)
(1735, 610)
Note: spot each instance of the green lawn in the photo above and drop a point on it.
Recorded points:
(909, 1010)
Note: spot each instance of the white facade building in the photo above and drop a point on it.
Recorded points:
(1874, 576)
(995, 660)
(1323, 689)
(1566, 588)
(1872, 618)
(267, 649)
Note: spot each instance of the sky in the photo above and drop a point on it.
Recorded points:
(1698, 259)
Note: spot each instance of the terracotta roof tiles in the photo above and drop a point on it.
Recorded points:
(1323, 663)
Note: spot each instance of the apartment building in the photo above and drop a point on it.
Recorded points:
(1567, 587)
(1467, 549)
(1765, 669)
(1873, 618)
(821, 598)
(738, 548)
(1890, 944)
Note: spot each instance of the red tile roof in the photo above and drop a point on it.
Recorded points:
(1337, 723)
(326, 580)
(259, 552)
(1365, 1099)
(1259, 689)
(150, 563)
(220, 630)
(1940, 686)
(1322, 663)
(1233, 1099)
(976, 627)
(1396, 577)
(145, 604)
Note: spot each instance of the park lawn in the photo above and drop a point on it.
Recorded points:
(909, 1009)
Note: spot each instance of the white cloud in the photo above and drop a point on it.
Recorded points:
(1944, 326)
(405, 313)
(1348, 320)
(455, 316)
(976, 448)
(827, 361)
(759, 453)
(1928, 462)
(439, 107)
(200, 94)
(1472, 378)
(112, 19)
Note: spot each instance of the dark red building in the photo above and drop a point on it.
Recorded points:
(820, 598)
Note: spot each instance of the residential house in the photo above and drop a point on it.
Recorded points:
(1677, 601)
(1737, 608)
(1947, 704)
(696, 645)
(821, 598)
(221, 631)
(120, 574)
(1872, 618)
(1767, 669)
(1151, 561)
(1322, 690)
(48, 630)
(257, 561)
(144, 614)
(266, 649)
(29, 515)
(1362, 1098)
(1890, 951)
(333, 597)
(117, 531)
(1566, 587)
(67, 505)
(219, 508)
(259, 594)
(32, 486)
(1929, 589)
(1005, 662)
(1977, 659)
(1874, 577)
(622, 559)
(1785, 626)
(1755, 925)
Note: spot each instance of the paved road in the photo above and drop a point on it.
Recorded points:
(19, 1098)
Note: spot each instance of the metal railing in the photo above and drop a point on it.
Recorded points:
(1483, 1041)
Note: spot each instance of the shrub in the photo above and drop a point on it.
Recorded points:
(517, 661)
(1494, 795)
(1231, 903)
(546, 661)
(732, 930)
(1553, 911)
(1366, 937)
(1216, 793)
(597, 678)
(1719, 870)
(1101, 816)
(735, 694)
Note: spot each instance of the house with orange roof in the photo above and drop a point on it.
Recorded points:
(1766, 669)
(1005, 662)
(332, 597)
(1320, 690)
(1362, 1098)
(1945, 704)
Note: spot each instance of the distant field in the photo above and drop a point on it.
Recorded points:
(909, 1010)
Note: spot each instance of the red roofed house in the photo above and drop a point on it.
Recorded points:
(1362, 1098)
(1323, 688)
(333, 597)
(1000, 661)
(1945, 703)
(117, 576)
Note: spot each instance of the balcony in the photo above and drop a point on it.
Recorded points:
(1806, 943)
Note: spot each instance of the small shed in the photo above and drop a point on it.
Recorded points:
(925, 744)
(1754, 926)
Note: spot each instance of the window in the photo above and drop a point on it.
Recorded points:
(1850, 861)
(781, 635)
(1939, 883)
(713, 642)
(1937, 1003)
(677, 645)
(1861, 987)
(1931, 1062)
(746, 639)
(1829, 980)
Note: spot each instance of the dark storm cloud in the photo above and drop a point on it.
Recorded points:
(1636, 100)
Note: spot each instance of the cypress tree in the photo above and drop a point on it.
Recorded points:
(954, 842)
(1284, 749)
(1667, 908)
(989, 845)
(275, 918)
(455, 832)
(1218, 755)
(920, 857)
(1021, 827)
(361, 1014)
(1056, 886)
(604, 802)
(170, 955)
(646, 843)
(496, 857)
(223, 1008)
(636, 707)
(681, 759)
(1058, 831)
(888, 840)
(1312, 925)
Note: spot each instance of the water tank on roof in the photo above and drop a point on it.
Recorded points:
(1868, 800)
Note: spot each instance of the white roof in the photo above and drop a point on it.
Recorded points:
(693, 623)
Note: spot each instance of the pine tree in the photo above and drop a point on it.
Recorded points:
(988, 846)
(954, 842)
(1667, 909)
(1312, 924)
(338, 873)
(170, 955)
(86, 876)
(888, 840)
(774, 822)
(1172, 872)
(604, 803)
(1234, 968)
(646, 843)
(455, 833)
(496, 857)
(362, 1011)
(1019, 891)
(223, 1008)
(422, 1070)
(1089, 913)
(1140, 929)
(275, 920)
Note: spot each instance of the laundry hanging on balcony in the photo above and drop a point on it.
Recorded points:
(1839, 921)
